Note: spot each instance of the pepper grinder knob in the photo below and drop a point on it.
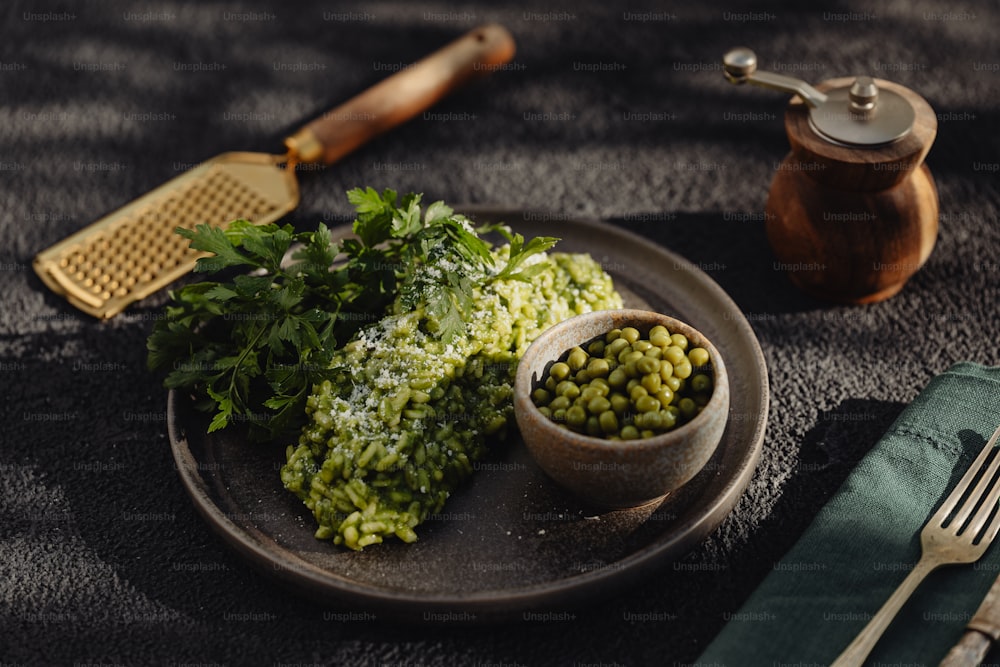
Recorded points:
(863, 95)
(738, 64)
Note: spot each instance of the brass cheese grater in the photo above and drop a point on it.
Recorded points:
(133, 251)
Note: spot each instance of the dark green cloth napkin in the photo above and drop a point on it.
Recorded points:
(865, 540)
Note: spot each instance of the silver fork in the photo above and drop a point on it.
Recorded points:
(945, 540)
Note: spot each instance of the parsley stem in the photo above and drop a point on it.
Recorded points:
(233, 387)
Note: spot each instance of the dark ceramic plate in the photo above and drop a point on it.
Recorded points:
(509, 542)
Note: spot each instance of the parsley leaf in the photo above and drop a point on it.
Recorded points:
(519, 251)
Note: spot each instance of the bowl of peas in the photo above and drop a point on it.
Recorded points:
(621, 407)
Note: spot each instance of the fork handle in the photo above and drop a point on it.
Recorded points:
(856, 652)
(969, 652)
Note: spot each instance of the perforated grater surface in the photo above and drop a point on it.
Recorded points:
(134, 251)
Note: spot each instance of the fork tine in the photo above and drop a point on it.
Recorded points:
(989, 504)
(991, 530)
(970, 475)
(984, 513)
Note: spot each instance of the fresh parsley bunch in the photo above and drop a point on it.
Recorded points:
(252, 346)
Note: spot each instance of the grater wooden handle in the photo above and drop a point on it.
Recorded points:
(402, 96)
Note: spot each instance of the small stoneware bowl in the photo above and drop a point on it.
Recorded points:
(609, 473)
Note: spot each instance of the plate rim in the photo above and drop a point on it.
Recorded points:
(491, 604)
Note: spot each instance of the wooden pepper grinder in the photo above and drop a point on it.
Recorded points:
(853, 210)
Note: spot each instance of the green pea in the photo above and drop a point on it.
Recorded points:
(651, 420)
(652, 382)
(680, 340)
(637, 392)
(559, 403)
(683, 369)
(665, 396)
(687, 407)
(582, 377)
(599, 404)
(608, 421)
(647, 365)
(617, 378)
(659, 336)
(613, 349)
(698, 356)
(541, 396)
(630, 334)
(674, 354)
(612, 335)
(577, 359)
(629, 432)
(620, 404)
(596, 348)
(594, 426)
(701, 382)
(550, 383)
(641, 346)
(674, 383)
(601, 386)
(631, 356)
(667, 419)
(647, 404)
(560, 370)
(576, 417)
(598, 367)
(655, 352)
(568, 389)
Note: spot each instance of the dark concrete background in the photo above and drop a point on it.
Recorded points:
(99, 104)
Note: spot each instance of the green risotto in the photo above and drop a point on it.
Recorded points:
(407, 415)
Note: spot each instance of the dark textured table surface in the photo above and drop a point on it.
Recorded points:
(616, 112)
